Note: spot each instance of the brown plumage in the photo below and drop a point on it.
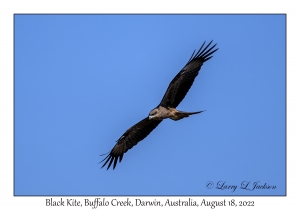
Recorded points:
(130, 138)
(175, 93)
(183, 81)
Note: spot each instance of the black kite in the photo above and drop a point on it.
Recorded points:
(176, 91)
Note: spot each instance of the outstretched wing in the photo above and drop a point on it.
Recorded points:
(183, 81)
(131, 137)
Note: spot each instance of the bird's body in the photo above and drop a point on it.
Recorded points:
(161, 113)
(175, 93)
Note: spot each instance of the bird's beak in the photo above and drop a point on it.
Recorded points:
(150, 117)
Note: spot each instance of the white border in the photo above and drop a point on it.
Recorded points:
(9, 8)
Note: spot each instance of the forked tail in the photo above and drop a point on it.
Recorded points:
(181, 114)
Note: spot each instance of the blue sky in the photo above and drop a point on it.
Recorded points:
(80, 81)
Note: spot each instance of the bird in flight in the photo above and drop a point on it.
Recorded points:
(175, 93)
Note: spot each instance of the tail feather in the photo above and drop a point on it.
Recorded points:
(182, 114)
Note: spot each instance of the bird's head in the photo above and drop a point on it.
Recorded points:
(153, 114)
